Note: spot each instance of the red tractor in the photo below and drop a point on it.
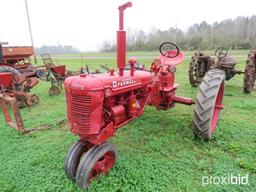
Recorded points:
(99, 104)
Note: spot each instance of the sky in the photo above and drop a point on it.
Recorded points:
(85, 24)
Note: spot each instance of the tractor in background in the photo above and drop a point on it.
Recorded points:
(200, 64)
(99, 104)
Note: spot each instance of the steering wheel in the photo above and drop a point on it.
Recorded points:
(221, 52)
(167, 49)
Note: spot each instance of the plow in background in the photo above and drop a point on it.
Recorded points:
(56, 74)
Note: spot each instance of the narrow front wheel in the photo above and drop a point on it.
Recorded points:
(73, 158)
(98, 160)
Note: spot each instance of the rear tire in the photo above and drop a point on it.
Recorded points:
(208, 104)
(250, 72)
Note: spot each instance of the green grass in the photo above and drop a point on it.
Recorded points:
(157, 152)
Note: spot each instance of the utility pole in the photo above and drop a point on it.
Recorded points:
(30, 31)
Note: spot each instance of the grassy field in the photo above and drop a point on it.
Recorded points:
(157, 152)
(148, 53)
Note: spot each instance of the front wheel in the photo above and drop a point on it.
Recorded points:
(209, 104)
(73, 157)
(98, 160)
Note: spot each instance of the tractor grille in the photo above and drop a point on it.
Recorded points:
(81, 111)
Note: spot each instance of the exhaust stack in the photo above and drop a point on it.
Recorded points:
(121, 39)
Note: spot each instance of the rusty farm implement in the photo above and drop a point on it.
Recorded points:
(17, 78)
(17, 75)
(56, 74)
(99, 104)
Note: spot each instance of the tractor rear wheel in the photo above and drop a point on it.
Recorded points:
(250, 72)
(73, 158)
(98, 160)
(208, 104)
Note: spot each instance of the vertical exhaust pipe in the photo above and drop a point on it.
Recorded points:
(121, 39)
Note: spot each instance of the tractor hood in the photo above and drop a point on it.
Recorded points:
(97, 82)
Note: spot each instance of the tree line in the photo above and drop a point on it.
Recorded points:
(239, 33)
(59, 49)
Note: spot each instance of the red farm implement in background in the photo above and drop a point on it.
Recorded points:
(16, 80)
(15, 67)
(99, 104)
(56, 74)
(17, 57)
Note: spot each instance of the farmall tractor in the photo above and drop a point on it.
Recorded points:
(99, 104)
(200, 64)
